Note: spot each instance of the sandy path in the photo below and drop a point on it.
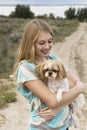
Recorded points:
(73, 51)
(15, 116)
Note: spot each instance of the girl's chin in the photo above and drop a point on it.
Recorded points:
(45, 55)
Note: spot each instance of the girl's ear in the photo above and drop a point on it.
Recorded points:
(40, 71)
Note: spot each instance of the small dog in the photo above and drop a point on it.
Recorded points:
(54, 74)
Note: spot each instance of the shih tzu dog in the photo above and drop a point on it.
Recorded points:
(54, 74)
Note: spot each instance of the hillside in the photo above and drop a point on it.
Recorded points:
(73, 51)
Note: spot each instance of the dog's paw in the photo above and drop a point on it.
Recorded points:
(59, 97)
(80, 101)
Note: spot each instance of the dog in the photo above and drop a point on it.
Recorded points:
(54, 74)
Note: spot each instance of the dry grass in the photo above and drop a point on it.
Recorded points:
(7, 94)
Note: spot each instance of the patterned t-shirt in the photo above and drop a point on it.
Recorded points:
(26, 72)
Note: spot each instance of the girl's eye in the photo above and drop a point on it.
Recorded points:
(44, 42)
(50, 41)
(41, 43)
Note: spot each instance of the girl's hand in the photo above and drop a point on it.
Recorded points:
(81, 86)
(49, 113)
(46, 113)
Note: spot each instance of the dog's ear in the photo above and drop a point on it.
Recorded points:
(62, 72)
(39, 70)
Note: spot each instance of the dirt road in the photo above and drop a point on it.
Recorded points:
(73, 51)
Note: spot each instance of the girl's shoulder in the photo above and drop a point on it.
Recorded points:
(26, 64)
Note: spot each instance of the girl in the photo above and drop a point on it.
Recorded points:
(45, 112)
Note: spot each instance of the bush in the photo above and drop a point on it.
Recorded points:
(7, 95)
(22, 11)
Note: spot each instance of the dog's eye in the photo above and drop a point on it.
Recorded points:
(46, 70)
(55, 70)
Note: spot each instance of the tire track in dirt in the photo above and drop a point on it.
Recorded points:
(78, 54)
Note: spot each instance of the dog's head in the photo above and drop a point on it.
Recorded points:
(51, 69)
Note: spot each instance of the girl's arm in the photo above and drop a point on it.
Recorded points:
(43, 92)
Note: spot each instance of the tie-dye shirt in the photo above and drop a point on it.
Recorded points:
(26, 72)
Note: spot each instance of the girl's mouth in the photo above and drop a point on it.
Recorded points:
(45, 52)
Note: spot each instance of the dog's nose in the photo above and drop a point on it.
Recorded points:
(50, 73)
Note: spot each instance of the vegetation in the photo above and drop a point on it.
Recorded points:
(22, 11)
(70, 13)
(7, 95)
(81, 14)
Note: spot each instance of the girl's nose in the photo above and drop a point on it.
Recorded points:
(47, 46)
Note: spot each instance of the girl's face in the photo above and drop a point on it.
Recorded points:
(43, 44)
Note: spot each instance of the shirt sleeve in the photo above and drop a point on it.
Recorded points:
(26, 72)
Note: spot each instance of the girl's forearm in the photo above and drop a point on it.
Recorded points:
(69, 96)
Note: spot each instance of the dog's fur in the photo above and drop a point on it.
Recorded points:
(54, 74)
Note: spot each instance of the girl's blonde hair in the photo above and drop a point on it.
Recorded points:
(30, 35)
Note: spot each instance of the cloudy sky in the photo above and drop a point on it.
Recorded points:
(43, 2)
(39, 7)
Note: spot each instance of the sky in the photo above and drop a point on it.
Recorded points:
(43, 2)
(40, 7)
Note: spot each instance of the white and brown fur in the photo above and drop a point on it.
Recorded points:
(54, 74)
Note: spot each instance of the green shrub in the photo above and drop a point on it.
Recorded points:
(7, 95)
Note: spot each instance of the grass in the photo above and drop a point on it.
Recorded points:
(7, 95)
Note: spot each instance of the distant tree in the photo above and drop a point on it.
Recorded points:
(22, 11)
(3, 16)
(12, 15)
(44, 16)
(82, 14)
(70, 13)
(51, 16)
